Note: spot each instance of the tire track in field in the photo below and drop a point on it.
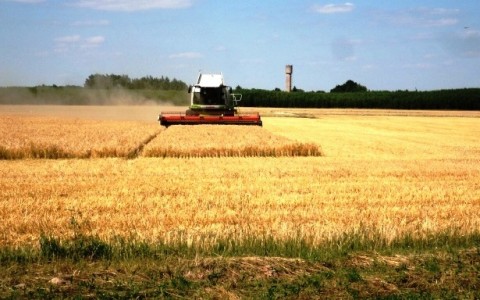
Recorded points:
(138, 150)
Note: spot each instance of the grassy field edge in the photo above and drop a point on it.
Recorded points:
(442, 265)
(92, 247)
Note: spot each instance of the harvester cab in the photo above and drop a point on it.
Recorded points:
(210, 96)
(211, 102)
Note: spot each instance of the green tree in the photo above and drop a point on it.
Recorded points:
(297, 90)
(147, 82)
(349, 87)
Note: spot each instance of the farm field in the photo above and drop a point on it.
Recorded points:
(382, 178)
(48, 137)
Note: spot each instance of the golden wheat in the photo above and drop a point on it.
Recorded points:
(398, 176)
(221, 141)
(387, 137)
(207, 199)
(48, 137)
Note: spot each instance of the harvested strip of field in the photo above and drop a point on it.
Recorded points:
(206, 200)
(225, 141)
(46, 137)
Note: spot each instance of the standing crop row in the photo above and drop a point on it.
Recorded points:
(45, 137)
(223, 141)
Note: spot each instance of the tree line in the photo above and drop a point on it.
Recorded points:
(354, 95)
(101, 88)
(109, 81)
(456, 99)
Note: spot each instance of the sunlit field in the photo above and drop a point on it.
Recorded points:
(224, 141)
(385, 174)
(48, 137)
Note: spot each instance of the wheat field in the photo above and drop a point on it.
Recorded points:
(393, 175)
(50, 137)
(53, 137)
(224, 141)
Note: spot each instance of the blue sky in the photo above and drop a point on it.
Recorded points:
(384, 45)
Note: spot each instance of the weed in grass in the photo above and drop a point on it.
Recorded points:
(352, 275)
(51, 248)
(432, 265)
(83, 245)
(282, 290)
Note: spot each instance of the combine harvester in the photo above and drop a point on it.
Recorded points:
(211, 102)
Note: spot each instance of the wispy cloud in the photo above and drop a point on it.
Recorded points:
(133, 5)
(443, 11)
(422, 17)
(88, 23)
(74, 42)
(68, 39)
(187, 55)
(463, 44)
(92, 42)
(369, 67)
(344, 49)
(28, 1)
(441, 22)
(334, 8)
(421, 65)
(220, 48)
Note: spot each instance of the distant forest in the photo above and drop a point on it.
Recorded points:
(455, 99)
(101, 81)
(111, 89)
(354, 95)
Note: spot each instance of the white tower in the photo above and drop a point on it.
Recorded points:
(288, 78)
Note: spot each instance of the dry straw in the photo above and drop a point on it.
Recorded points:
(225, 141)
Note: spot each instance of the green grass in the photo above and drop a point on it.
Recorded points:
(85, 246)
(438, 266)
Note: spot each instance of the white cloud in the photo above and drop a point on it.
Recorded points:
(93, 41)
(74, 42)
(133, 5)
(187, 55)
(334, 8)
(68, 39)
(444, 11)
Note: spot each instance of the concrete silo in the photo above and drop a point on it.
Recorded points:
(288, 77)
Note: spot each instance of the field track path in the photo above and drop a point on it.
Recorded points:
(137, 151)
